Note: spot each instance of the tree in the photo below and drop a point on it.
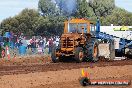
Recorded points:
(49, 25)
(27, 19)
(83, 9)
(52, 17)
(102, 7)
(47, 7)
(66, 7)
(57, 25)
(23, 22)
(9, 24)
(118, 17)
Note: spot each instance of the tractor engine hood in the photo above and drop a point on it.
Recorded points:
(71, 36)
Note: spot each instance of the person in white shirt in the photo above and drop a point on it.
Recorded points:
(44, 44)
(57, 40)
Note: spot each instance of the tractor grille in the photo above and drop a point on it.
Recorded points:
(67, 42)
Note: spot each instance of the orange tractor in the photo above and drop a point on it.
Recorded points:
(78, 41)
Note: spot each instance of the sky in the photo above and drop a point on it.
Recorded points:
(126, 4)
(10, 8)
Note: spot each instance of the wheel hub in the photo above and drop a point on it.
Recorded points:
(95, 51)
(81, 55)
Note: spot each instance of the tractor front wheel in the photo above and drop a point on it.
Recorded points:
(54, 58)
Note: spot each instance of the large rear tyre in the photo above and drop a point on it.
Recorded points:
(92, 48)
(79, 54)
(54, 58)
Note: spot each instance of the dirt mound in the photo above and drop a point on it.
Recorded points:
(48, 66)
(25, 60)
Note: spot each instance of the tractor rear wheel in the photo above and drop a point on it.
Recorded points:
(92, 48)
(54, 58)
(79, 54)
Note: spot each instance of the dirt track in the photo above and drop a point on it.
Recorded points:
(49, 66)
(66, 78)
(42, 73)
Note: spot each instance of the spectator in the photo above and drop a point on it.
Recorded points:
(3, 53)
(40, 50)
(41, 41)
(44, 42)
(41, 44)
(17, 44)
(37, 43)
(50, 45)
(28, 44)
(33, 45)
(24, 42)
(57, 40)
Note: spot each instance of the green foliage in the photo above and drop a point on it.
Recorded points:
(47, 7)
(66, 7)
(50, 25)
(118, 17)
(83, 9)
(102, 7)
(23, 22)
(49, 18)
